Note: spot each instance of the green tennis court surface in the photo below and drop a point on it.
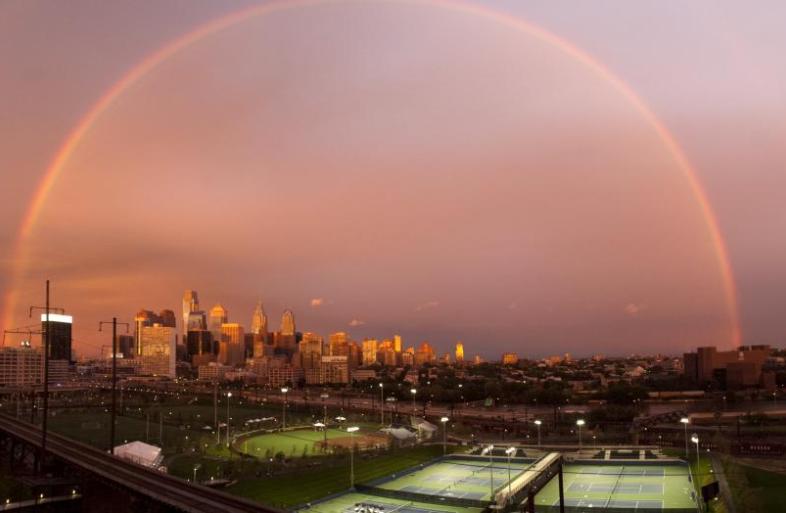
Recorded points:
(643, 488)
(362, 503)
(457, 478)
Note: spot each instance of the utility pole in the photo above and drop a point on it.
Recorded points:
(46, 336)
(114, 379)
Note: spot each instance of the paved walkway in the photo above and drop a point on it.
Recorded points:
(725, 491)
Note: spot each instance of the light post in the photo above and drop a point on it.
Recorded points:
(580, 423)
(695, 439)
(537, 424)
(351, 430)
(489, 450)
(229, 395)
(444, 421)
(510, 451)
(382, 403)
(114, 324)
(196, 467)
(324, 397)
(320, 425)
(284, 391)
(685, 421)
(414, 391)
(340, 419)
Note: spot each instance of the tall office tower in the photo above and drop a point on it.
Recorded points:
(232, 349)
(59, 327)
(125, 345)
(142, 319)
(408, 356)
(338, 344)
(196, 321)
(158, 350)
(397, 343)
(369, 351)
(167, 318)
(288, 323)
(200, 347)
(218, 316)
(424, 354)
(355, 353)
(259, 321)
(190, 304)
(310, 349)
(459, 352)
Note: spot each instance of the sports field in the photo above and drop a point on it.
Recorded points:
(463, 479)
(362, 503)
(620, 487)
(305, 442)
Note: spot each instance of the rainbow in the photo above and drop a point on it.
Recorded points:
(149, 63)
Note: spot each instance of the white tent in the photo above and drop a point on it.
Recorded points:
(141, 453)
(399, 433)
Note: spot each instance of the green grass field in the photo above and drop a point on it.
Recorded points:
(457, 478)
(617, 486)
(755, 490)
(308, 485)
(297, 443)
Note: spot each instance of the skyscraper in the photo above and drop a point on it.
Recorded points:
(232, 350)
(218, 316)
(459, 352)
(288, 323)
(259, 320)
(157, 350)
(59, 327)
(190, 304)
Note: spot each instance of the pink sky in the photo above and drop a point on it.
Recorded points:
(420, 170)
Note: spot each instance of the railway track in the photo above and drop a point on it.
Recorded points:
(163, 488)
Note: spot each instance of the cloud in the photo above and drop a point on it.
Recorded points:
(317, 302)
(356, 322)
(632, 309)
(428, 305)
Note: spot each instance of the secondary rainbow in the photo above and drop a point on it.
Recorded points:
(149, 63)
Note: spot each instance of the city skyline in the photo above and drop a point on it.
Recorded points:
(418, 183)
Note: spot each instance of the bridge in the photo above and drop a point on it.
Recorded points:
(115, 485)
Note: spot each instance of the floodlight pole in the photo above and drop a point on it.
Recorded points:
(561, 489)
(382, 403)
(114, 324)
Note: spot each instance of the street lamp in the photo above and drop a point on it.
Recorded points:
(324, 396)
(510, 451)
(284, 391)
(444, 421)
(695, 439)
(537, 424)
(580, 423)
(382, 403)
(413, 391)
(196, 467)
(351, 430)
(685, 421)
(229, 395)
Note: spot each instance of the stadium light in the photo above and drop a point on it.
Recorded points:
(414, 392)
(284, 391)
(351, 430)
(537, 424)
(444, 421)
(580, 423)
(382, 403)
(229, 395)
(324, 396)
(490, 450)
(695, 439)
(685, 421)
(510, 451)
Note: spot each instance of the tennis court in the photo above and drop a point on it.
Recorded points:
(456, 478)
(615, 487)
(362, 503)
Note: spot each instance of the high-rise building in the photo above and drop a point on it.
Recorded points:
(459, 352)
(338, 344)
(232, 349)
(158, 350)
(200, 346)
(408, 356)
(738, 368)
(310, 350)
(425, 354)
(334, 369)
(397, 343)
(196, 321)
(167, 318)
(190, 304)
(288, 323)
(259, 320)
(369, 351)
(21, 366)
(125, 346)
(59, 328)
(510, 359)
(218, 317)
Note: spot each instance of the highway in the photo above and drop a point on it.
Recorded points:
(161, 487)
